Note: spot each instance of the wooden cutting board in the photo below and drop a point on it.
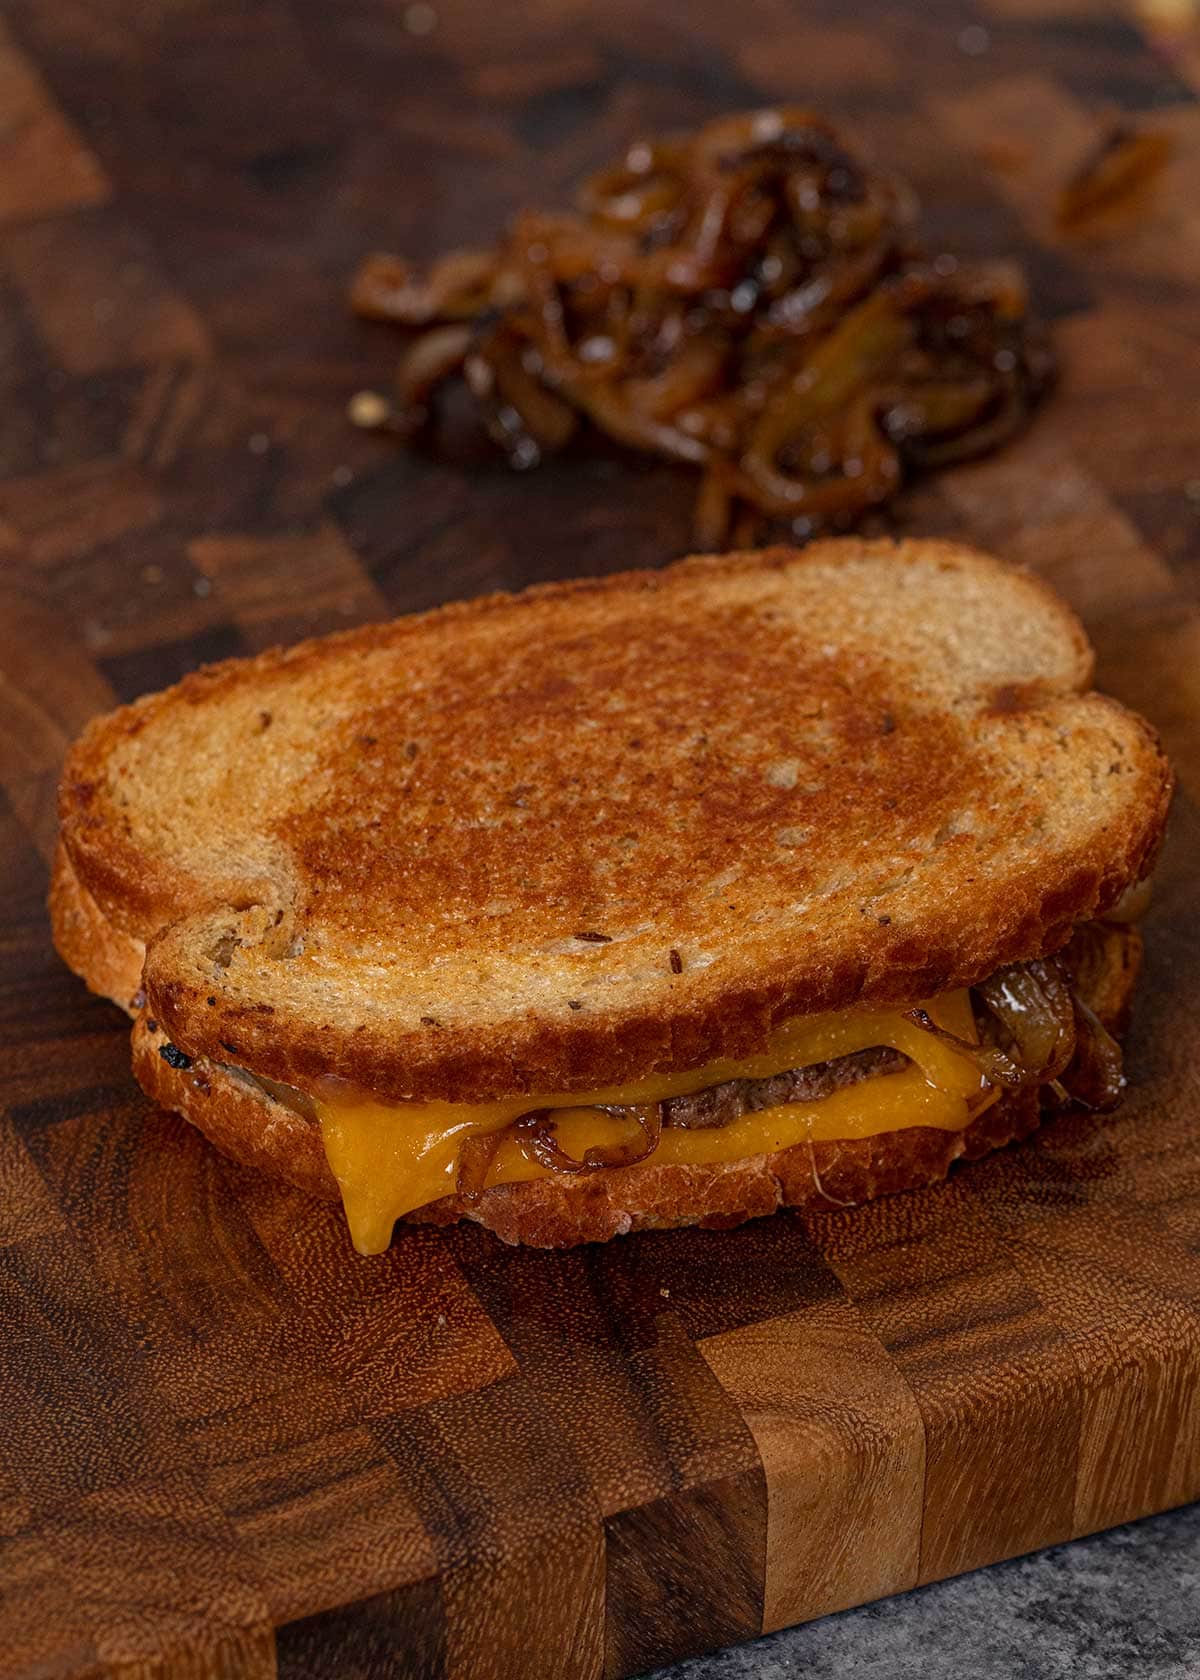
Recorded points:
(230, 1447)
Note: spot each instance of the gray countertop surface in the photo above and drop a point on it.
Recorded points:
(1119, 1606)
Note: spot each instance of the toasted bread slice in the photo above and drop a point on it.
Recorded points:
(563, 839)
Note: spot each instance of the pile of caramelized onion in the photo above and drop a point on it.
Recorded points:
(751, 299)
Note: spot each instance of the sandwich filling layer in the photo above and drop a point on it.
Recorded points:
(821, 1078)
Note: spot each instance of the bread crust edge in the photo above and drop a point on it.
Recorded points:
(108, 960)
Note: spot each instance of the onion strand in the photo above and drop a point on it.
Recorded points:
(993, 1064)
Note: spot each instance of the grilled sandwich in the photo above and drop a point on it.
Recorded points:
(787, 878)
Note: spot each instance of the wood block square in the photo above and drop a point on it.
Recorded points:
(392, 1330)
(64, 511)
(1122, 347)
(840, 60)
(41, 1630)
(360, 1641)
(326, 1522)
(77, 1413)
(45, 167)
(49, 688)
(144, 670)
(55, 1039)
(159, 1569)
(842, 1443)
(685, 1574)
(219, 1360)
(98, 294)
(715, 1281)
(16, 1513)
(33, 799)
(975, 1343)
(513, 1523)
(280, 589)
(27, 1208)
(146, 1198)
(1125, 1293)
(1035, 117)
(612, 1362)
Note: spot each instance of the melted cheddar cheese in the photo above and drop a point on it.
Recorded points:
(391, 1158)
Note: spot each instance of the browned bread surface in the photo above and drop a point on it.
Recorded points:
(601, 829)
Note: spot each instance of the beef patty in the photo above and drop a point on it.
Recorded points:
(719, 1105)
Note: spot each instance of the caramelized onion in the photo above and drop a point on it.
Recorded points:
(1096, 1076)
(1032, 1003)
(611, 409)
(296, 1102)
(993, 1064)
(1101, 960)
(750, 300)
(1133, 903)
(521, 414)
(427, 361)
(387, 289)
(476, 1158)
(1124, 161)
(536, 1132)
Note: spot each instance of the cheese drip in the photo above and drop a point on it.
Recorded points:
(391, 1158)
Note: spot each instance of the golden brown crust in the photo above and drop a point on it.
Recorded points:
(730, 763)
(561, 1211)
(109, 961)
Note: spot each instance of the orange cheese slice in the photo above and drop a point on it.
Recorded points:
(391, 1158)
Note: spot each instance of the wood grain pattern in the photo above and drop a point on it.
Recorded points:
(231, 1447)
(840, 1431)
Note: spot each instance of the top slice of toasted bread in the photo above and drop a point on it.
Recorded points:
(554, 840)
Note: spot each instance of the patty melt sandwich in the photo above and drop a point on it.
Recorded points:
(668, 898)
